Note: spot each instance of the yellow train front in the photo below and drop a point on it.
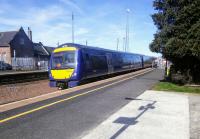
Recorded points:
(63, 67)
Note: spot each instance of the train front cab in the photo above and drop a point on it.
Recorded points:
(63, 70)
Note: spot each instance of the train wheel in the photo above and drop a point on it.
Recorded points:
(62, 86)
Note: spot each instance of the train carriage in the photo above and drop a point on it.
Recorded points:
(72, 63)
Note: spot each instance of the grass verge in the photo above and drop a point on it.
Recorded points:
(167, 86)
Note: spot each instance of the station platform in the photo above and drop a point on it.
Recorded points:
(120, 108)
(13, 72)
(12, 77)
(153, 115)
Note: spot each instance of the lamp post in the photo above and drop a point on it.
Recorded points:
(72, 27)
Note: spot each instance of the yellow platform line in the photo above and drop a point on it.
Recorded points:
(66, 99)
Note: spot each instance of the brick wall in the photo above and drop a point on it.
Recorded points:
(5, 54)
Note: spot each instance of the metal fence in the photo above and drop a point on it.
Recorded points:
(29, 64)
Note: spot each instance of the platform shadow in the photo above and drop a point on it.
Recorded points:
(129, 121)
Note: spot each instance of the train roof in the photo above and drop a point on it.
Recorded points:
(86, 46)
(94, 48)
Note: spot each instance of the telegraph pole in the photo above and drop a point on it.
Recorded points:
(72, 27)
(127, 30)
(86, 43)
(117, 44)
(124, 44)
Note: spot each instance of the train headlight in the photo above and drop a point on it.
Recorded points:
(50, 74)
(74, 74)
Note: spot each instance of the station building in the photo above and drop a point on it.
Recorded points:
(18, 50)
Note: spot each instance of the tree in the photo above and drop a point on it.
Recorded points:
(178, 34)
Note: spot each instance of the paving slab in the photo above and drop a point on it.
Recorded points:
(194, 101)
(152, 115)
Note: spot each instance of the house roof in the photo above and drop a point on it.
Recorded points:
(49, 49)
(7, 37)
(40, 49)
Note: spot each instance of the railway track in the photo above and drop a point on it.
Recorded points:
(21, 77)
(22, 91)
(19, 89)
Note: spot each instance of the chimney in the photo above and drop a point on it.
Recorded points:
(29, 33)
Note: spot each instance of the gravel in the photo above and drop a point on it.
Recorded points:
(19, 91)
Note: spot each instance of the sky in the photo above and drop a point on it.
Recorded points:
(100, 22)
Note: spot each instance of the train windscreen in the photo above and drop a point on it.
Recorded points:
(63, 60)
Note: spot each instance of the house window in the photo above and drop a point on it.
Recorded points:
(21, 41)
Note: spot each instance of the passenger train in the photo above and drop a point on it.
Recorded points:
(72, 63)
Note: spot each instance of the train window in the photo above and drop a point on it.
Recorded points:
(87, 57)
(63, 60)
(99, 62)
(87, 61)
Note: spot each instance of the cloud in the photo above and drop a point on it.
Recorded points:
(50, 35)
(51, 22)
(149, 24)
(46, 14)
(4, 7)
(74, 6)
(33, 16)
(82, 31)
(1, 11)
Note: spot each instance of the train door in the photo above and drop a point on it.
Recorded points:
(87, 67)
(109, 61)
(142, 62)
